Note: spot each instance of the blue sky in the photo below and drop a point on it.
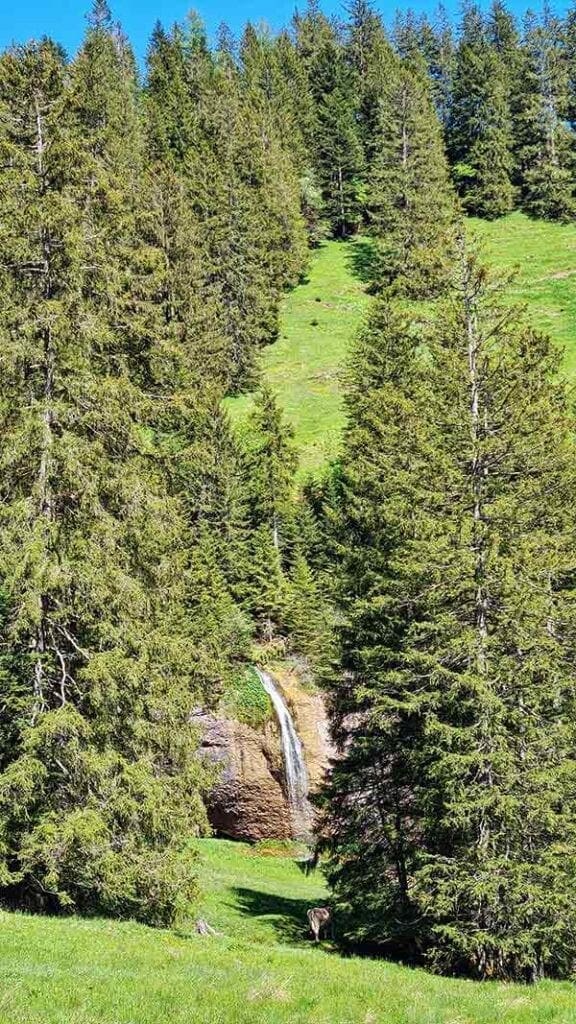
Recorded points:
(64, 19)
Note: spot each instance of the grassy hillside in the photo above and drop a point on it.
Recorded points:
(262, 970)
(304, 366)
(544, 259)
(321, 317)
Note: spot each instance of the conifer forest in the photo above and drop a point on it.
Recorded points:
(161, 538)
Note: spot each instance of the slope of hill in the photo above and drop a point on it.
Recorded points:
(261, 970)
(320, 318)
(304, 367)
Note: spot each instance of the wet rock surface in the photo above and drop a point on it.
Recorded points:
(249, 801)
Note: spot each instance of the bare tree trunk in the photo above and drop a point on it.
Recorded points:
(479, 475)
(341, 198)
(45, 497)
(479, 472)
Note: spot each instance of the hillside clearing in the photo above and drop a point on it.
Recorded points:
(305, 366)
(262, 970)
(321, 317)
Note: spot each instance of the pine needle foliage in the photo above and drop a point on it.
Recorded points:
(450, 814)
(100, 786)
(410, 202)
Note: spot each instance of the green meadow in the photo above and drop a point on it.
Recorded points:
(320, 318)
(262, 969)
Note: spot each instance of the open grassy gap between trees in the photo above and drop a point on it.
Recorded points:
(321, 316)
(262, 970)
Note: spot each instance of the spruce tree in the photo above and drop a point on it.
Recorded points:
(479, 129)
(543, 142)
(451, 814)
(438, 49)
(269, 466)
(570, 61)
(338, 155)
(100, 788)
(242, 186)
(409, 197)
(370, 57)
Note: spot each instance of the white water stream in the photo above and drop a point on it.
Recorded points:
(294, 763)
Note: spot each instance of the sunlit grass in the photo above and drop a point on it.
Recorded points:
(321, 317)
(262, 969)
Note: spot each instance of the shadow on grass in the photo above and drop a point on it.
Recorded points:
(289, 915)
(362, 259)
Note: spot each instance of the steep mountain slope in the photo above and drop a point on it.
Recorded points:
(305, 366)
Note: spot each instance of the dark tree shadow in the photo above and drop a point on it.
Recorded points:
(289, 916)
(362, 258)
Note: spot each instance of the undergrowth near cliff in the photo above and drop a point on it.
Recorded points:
(246, 700)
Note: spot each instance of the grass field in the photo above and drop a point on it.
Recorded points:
(261, 970)
(304, 367)
(321, 316)
(544, 258)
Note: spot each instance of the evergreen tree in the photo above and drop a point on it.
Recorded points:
(409, 198)
(543, 143)
(370, 57)
(570, 62)
(306, 614)
(451, 811)
(338, 157)
(297, 129)
(269, 465)
(479, 129)
(100, 789)
(241, 185)
(435, 43)
(437, 47)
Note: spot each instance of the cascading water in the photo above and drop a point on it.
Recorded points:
(294, 764)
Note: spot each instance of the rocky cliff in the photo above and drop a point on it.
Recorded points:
(249, 802)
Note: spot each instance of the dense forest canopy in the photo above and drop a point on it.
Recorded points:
(149, 227)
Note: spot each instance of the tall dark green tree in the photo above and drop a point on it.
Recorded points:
(241, 186)
(269, 466)
(453, 834)
(543, 141)
(479, 129)
(370, 57)
(101, 786)
(438, 49)
(338, 155)
(410, 202)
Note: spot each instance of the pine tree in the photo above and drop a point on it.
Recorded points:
(306, 614)
(100, 789)
(338, 156)
(370, 56)
(437, 47)
(269, 466)
(297, 129)
(271, 462)
(222, 137)
(479, 130)
(409, 197)
(451, 813)
(543, 143)
(570, 62)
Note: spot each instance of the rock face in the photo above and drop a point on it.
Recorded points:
(249, 801)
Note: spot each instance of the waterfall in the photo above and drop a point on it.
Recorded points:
(294, 764)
